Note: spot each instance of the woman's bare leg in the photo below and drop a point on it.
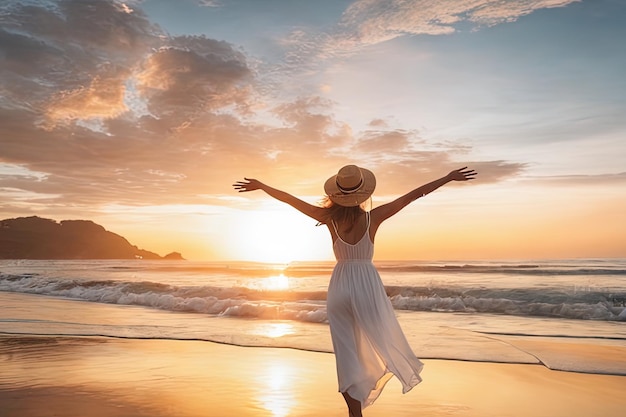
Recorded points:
(354, 406)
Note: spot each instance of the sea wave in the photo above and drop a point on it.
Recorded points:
(310, 306)
(538, 269)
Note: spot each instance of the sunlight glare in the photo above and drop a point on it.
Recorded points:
(277, 397)
(274, 330)
(272, 283)
(278, 235)
(276, 283)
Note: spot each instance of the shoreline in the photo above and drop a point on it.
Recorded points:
(575, 350)
(74, 376)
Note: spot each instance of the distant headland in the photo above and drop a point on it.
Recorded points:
(38, 238)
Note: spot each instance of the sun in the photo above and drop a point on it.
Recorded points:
(278, 236)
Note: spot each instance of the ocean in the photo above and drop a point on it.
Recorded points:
(544, 312)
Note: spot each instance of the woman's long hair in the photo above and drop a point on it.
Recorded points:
(342, 214)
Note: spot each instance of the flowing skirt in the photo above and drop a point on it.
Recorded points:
(369, 344)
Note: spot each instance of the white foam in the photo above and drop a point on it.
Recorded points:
(245, 302)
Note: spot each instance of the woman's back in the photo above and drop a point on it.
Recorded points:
(355, 242)
(350, 231)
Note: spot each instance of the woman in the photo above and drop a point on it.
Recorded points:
(369, 344)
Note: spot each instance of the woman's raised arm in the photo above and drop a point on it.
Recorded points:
(385, 211)
(251, 184)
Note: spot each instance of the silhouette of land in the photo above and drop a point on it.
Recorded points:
(38, 238)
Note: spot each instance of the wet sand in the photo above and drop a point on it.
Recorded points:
(78, 376)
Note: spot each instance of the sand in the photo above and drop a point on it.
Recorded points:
(94, 376)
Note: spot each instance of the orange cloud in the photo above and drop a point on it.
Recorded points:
(103, 98)
(178, 118)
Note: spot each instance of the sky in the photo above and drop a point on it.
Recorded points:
(140, 115)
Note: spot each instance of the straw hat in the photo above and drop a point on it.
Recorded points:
(351, 186)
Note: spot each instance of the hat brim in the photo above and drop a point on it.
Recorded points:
(354, 198)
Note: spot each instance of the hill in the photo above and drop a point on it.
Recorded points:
(38, 238)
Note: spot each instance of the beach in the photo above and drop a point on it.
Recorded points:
(185, 339)
(97, 376)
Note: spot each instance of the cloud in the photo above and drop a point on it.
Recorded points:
(193, 74)
(367, 22)
(580, 180)
(99, 106)
(384, 142)
(403, 171)
(103, 97)
(308, 52)
(82, 60)
(209, 3)
(65, 57)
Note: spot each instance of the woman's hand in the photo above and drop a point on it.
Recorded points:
(462, 174)
(248, 184)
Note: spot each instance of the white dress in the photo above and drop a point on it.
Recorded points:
(369, 344)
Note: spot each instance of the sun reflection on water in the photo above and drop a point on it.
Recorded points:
(272, 283)
(277, 397)
(273, 330)
(276, 282)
